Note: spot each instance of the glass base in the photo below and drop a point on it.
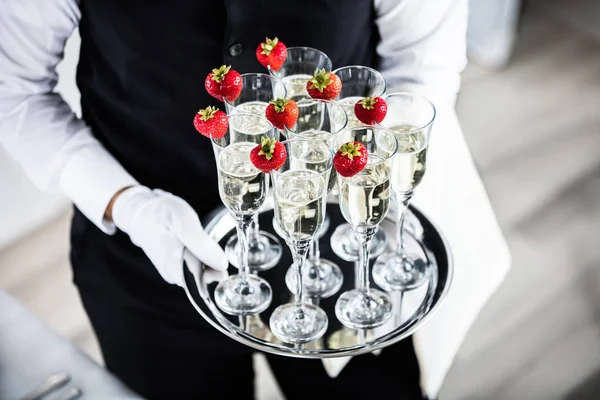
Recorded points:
(345, 245)
(394, 272)
(359, 309)
(293, 324)
(319, 280)
(254, 326)
(237, 296)
(263, 254)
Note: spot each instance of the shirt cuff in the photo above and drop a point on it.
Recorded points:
(90, 178)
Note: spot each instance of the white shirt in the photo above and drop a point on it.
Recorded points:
(422, 50)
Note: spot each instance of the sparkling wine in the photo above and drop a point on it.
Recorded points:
(408, 165)
(253, 107)
(300, 205)
(296, 86)
(317, 135)
(242, 187)
(314, 157)
(348, 106)
(365, 197)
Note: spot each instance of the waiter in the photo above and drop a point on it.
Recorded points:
(141, 178)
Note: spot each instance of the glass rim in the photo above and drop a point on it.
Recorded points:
(241, 114)
(409, 94)
(308, 48)
(330, 102)
(372, 70)
(260, 74)
(304, 139)
(322, 53)
(378, 128)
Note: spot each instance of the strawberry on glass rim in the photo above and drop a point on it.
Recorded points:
(224, 83)
(324, 85)
(269, 155)
(282, 113)
(350, 159)
(271, 54)
(211, 122)
(370, 110)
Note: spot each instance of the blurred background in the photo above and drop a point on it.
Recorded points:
(530, 110)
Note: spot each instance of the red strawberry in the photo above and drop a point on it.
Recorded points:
(324, 85)
(211, 122)
(224, 83)
(350, 159)
(370, 110)
(271, 54)
(282, 113)
(269, 155)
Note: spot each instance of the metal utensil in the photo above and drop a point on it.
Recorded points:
(52, 383)
(72, 394)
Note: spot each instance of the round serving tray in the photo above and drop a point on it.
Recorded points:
(411, 309)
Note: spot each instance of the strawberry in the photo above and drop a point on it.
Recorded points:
(324, 85)
(370, 110)
(271, 54)
(350, 159)
(269, 155)
(224, 83)
(211, 122)
(282, 113)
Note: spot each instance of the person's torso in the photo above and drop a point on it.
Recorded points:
(141, 76)
(143, 65)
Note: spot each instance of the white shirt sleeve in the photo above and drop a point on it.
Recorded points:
(57, 150)
(423, 50)
(423, 46)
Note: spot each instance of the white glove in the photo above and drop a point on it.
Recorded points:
(169, 231)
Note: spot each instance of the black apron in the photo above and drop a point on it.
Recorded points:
(141, 77)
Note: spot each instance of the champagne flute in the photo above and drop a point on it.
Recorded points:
(411, 118)
(264, 249)
(357, 82)
(243, 190)
(300, 192)
(298, 67)
(320, 120)
(364, 202)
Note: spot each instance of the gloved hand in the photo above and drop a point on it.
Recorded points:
(169, 231)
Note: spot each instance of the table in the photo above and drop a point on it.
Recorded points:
(30, 352)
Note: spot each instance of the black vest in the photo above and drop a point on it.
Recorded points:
(141, 76)
(143, 64)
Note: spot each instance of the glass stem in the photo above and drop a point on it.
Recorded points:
(314, 253)
(254, 229)
(363, 257)
(243, 227)
(300, 250)
(357, 274)
(403, 201)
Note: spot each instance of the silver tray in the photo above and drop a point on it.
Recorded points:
(411, 309)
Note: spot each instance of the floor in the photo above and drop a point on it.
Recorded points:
(534, 130)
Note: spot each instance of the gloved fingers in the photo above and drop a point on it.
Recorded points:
(193, 265)
(206, 249)
(213, 275)
(165, 251)
(196, 240)
(183, 222)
